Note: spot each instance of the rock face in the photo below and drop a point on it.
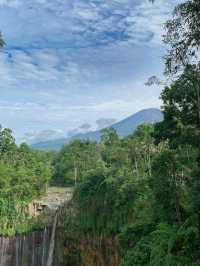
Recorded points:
(59, 244)
(79, 250)
(54, 199)
(75, 248)
(29, 250)
(34, 249)
(86, 250)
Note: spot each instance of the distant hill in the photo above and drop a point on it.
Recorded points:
(124, 128)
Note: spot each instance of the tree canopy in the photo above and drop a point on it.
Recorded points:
(24, 174)
(183, 36)
(144, 191)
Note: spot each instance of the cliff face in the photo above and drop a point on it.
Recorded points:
(101, 251)
(33, 249)
(72, 248)
(29, 250)
(54, 198)
(86, 250)
(76, 248)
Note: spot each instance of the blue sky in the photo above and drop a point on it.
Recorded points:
(69, 63)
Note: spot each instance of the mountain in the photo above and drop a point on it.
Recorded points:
(123, 128)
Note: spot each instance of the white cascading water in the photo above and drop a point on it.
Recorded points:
(33, 249)
(29, 250)
(52, 242)
(44, 242)
(3, 250)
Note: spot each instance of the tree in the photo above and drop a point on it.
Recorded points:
(183, 36)
(166, 182)
(7, 141)
(181, 108)
(109, 136)
(146, 193)
(73, 161)
(24, 174)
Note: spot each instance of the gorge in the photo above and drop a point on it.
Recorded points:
(35, 248)
(55, 246)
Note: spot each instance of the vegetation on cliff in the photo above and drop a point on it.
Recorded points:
(24, 174)
(143, 190)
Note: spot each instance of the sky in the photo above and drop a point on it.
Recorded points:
(75, 65)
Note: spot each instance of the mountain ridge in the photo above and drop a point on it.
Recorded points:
(124, 128)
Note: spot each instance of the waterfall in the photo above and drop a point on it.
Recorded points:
(28, 250)
(52, 242)
(3, 249)
(44, 243)
(33, 249)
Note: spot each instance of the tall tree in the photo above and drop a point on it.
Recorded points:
(183, 36)
(181, 108)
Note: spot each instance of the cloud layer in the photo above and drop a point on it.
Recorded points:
(70, 62)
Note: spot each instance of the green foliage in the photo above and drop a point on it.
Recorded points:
(181, 106)
(140, 255)
(109, 136)
(24, 175)
(73, 160)
(144, 190)
(183, 36)
(164, 246)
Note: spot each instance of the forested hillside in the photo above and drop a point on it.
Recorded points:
(24, 175)
(143, 191)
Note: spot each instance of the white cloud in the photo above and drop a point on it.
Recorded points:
(44, 135)
(82, 23)
(69, 62)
